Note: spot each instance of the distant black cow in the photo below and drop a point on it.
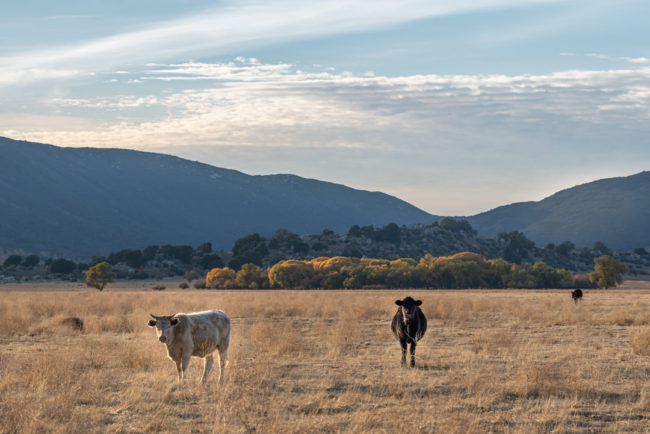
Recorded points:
(576, 295)
(409, 325)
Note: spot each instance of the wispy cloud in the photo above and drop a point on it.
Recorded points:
(637, 60)
(633, 60)
(248, 103)
(252, 23)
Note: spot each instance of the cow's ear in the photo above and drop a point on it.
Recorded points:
(418, 302)
(173, 321)
(152, 323)
(398, 302)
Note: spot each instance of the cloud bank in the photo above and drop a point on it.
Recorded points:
(241, 102)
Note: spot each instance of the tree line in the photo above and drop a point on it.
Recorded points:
(462, 270)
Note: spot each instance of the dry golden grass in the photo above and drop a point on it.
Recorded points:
(326, 361)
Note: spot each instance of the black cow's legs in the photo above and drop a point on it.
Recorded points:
(412, 354)
(404, 344)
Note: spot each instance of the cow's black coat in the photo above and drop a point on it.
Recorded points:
(576, 294)
(409, 325)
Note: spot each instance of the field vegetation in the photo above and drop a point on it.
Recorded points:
(326, 361)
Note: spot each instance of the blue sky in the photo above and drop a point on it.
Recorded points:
(456, 107)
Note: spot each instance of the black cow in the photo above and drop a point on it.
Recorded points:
(409, 325)
(576, 295)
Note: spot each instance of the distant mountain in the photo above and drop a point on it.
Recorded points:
(79, 202)
(615, 211)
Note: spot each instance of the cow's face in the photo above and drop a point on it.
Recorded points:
(409, 308)
(163, 325)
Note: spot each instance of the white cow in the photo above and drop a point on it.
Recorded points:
(195, 334)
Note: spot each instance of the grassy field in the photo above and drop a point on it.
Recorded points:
(326, 361)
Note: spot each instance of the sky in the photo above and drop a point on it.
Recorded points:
(456, 107)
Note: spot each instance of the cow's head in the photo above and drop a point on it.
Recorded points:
(163, 325)
(409, 308)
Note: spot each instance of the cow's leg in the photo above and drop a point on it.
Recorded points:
(223, 360)
(413, 354)
(207, 366)
(404, 343)
(179, 369)
(185, 362)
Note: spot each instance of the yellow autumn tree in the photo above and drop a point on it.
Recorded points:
(220, 278)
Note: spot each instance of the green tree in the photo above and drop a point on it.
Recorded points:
(452, 225)
(134, 258)
(98, 276)
(608, 272)
(210, 261)
(13, 260)
(62, 266)
(389, 233)
(600, 247)
(181, 253)
(150, 252)
(31, 261)
(564, 248)
(516, 247)
(204, 248)
(249, 249)
(354, 232)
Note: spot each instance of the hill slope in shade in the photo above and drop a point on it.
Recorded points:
(79, 202)
(615, 211)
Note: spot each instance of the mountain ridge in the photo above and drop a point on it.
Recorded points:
(89, 201)
(615, 211)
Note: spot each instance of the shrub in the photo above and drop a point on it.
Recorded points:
(291, 274)
(62, 266)
(249, 276)
(13, 260)
(183, 285)
(31, 261)
(219, 277)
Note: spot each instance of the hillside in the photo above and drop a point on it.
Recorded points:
(79, 202)
(615, 211)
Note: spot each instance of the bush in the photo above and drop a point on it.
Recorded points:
(62, 266)
(31, 261)
(183, 285)
(291, 274)
(13, 260)
(219, 277)
(250, 276)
